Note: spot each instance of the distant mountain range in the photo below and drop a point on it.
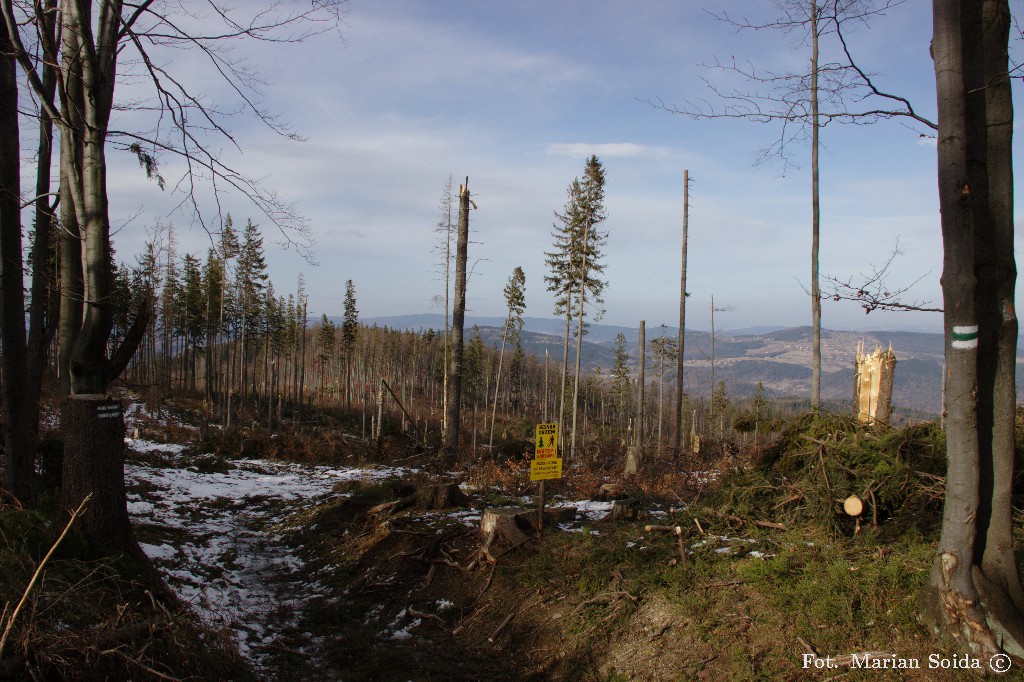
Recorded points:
(780, 358)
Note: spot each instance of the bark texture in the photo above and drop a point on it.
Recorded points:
(974, 592)
(94, 463)
(453, 399)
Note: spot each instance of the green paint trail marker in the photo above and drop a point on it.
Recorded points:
(965, 337)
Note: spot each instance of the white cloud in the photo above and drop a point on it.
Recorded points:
(605, 149)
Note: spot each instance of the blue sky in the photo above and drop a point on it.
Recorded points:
(516, 95)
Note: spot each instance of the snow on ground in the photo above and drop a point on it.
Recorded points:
(214, 547)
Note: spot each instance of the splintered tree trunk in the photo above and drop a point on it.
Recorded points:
(453, 399)
(634, 454)
(974, 591)
(94, 464)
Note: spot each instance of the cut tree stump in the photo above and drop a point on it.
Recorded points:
(521, 519)
(504, 523)
(439, 496)
(625, 510)
(427, 497)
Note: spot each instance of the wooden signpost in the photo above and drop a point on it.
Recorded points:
(546, 463)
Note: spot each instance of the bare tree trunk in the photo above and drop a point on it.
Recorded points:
(497, 385)
(641, 388)
(453, 398)
(302, 369)
(974, 592)
(18, 438)
(579, 342)
(815, 221)
(678, 446)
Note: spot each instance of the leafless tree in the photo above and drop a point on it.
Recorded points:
(92, 47)
(803, 102)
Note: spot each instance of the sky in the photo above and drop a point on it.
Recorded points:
(516, 96)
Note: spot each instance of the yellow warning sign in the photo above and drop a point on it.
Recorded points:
(546, 468)
(546, 444)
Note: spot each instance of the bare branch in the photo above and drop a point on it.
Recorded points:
(871, 291)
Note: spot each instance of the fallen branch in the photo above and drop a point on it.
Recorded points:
(604, 596)
(420, 614)
(35, 576)
(497, 631)
(771, 524)
(382, 507)
(140, 665)
(786, 501)
(678, 530)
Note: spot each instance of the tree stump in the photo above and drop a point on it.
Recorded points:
(504, 522)
(625, 510)
(503, 519)
(439, 496)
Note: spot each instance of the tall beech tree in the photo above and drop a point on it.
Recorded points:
(974, 592)
(93, 36)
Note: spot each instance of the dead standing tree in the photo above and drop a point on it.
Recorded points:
(453, 397)
(794, 101)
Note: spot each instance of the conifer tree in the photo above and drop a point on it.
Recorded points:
(515, 300)
(621, 384)
(191, 316)
(349, 332)
(574, 264)
(250, 281)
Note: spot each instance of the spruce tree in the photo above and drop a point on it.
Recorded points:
(515, 300)
(251, 281)
(349, 332)
(574, 265)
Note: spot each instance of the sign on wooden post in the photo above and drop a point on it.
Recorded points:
(546, 463)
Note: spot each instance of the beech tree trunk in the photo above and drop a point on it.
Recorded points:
(974, 591)
(17, 436)
(94, 464)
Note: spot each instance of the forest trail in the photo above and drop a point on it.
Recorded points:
(210, 533)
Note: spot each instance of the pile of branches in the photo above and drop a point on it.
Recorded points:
(821, 460)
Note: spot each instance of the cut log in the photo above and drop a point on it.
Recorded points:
(611, 491)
